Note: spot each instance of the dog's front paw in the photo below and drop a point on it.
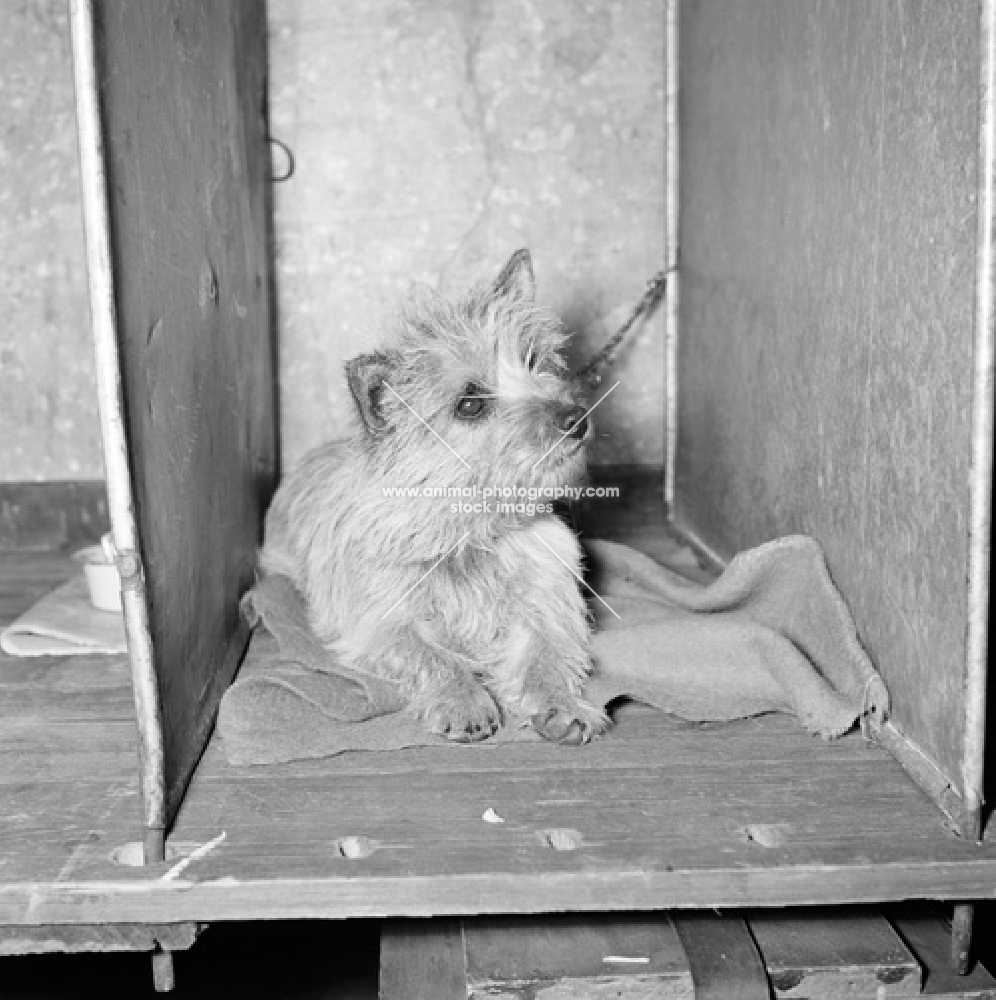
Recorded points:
(463, 712)
(571, 722)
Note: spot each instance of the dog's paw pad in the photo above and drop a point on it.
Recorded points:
(570, 726)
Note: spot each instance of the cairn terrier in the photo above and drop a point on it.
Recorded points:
(414, 562)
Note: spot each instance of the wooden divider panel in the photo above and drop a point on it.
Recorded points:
(183, 104)
(828, 188)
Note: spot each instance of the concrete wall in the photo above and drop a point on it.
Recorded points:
(431, 140)
(48, 415)
(434, 138)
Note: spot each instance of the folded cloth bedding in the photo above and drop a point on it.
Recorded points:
(771, 634)
(65, 623)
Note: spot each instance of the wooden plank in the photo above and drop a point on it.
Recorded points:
(929, 936)
(622, 956)
(76, 938)
(747, 814)
(722, 957)
(669, 814)
(52, 516)
(422, 960)
(816, 193)
(182, 101)
(828, 954)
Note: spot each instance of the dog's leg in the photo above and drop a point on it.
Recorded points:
(552, 677)
(439, 683)
(548, 658)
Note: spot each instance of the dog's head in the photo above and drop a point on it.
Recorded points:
(475, 392)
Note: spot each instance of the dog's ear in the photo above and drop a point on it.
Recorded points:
(516, 280)
(366, 375)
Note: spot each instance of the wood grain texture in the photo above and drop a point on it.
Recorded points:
(722, 957)
(670, 814)
(183, 107)
(829, 166)
(930, 939)
(422, 960)
(618, 956)
(76, 938)
(827, 954)
(667, 814)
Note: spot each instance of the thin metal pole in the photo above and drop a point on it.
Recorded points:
(120, 504)
(980, 513)
(674, 274)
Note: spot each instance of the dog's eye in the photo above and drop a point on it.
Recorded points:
(470, 407)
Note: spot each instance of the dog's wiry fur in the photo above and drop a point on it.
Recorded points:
(471, 614)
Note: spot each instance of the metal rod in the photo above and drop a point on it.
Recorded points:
(980, 511)
(673, 235)
(114, 439)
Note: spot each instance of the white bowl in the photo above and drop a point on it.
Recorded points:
(101, 577)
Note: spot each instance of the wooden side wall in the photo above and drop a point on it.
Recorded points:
(829, 177)
(183, 102)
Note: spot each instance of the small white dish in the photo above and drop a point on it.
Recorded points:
(101, 576)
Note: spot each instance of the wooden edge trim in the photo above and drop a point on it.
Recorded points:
(980, 511)
(120, 502)
(21, 939)
(672, 209)
(927, 776)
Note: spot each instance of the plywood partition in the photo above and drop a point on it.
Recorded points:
(183, 105)
(829, 250)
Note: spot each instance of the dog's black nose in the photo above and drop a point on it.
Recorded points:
(575, 422)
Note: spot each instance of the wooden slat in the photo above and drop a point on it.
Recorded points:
(76, 938)
(422, 960)
(828, 954)
(183, 111)
(622, 956)
(722, 957)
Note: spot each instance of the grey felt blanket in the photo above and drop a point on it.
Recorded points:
(771, 634)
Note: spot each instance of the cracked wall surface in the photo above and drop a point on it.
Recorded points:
(434, 137)
(431, 137)
(48, 408)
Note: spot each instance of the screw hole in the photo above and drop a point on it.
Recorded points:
(353, 847)
(133, 854)
(765, 835)
(561, 839)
